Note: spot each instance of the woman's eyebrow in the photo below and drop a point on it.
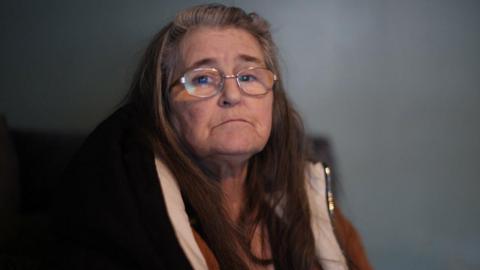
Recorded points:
(212, 62)
(203, 62)
(249, 58)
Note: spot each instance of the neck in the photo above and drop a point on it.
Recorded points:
(232, 181)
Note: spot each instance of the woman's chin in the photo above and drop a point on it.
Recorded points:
(236, 151)
(232, 150)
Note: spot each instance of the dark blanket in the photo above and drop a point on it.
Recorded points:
(109, 212)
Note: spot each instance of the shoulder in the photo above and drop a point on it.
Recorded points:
(315, 174)
(113, 143)
(327, 246)
(109, 205)
(321, 198)
(319, 181)
(121, 123)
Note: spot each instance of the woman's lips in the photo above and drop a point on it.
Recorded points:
(238, 120)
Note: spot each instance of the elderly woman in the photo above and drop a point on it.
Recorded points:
(204, 166)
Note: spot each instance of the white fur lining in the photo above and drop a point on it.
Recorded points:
(327, 249)
(178, 216)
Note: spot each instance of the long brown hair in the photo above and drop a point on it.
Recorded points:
(275, 177)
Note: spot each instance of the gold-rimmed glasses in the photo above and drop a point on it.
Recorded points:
(206, 82)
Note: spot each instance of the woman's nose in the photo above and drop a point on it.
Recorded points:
(231, 93)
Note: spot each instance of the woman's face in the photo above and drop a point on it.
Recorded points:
(230, 125)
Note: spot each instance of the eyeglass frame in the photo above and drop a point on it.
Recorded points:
(223, 76)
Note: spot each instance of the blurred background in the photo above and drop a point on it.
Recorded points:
(394, 85)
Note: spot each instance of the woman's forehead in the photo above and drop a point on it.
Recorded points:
(213, 46)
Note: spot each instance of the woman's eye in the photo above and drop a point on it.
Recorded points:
(247, 78)
(203, 79)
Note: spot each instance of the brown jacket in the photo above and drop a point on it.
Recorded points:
(350, 242)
